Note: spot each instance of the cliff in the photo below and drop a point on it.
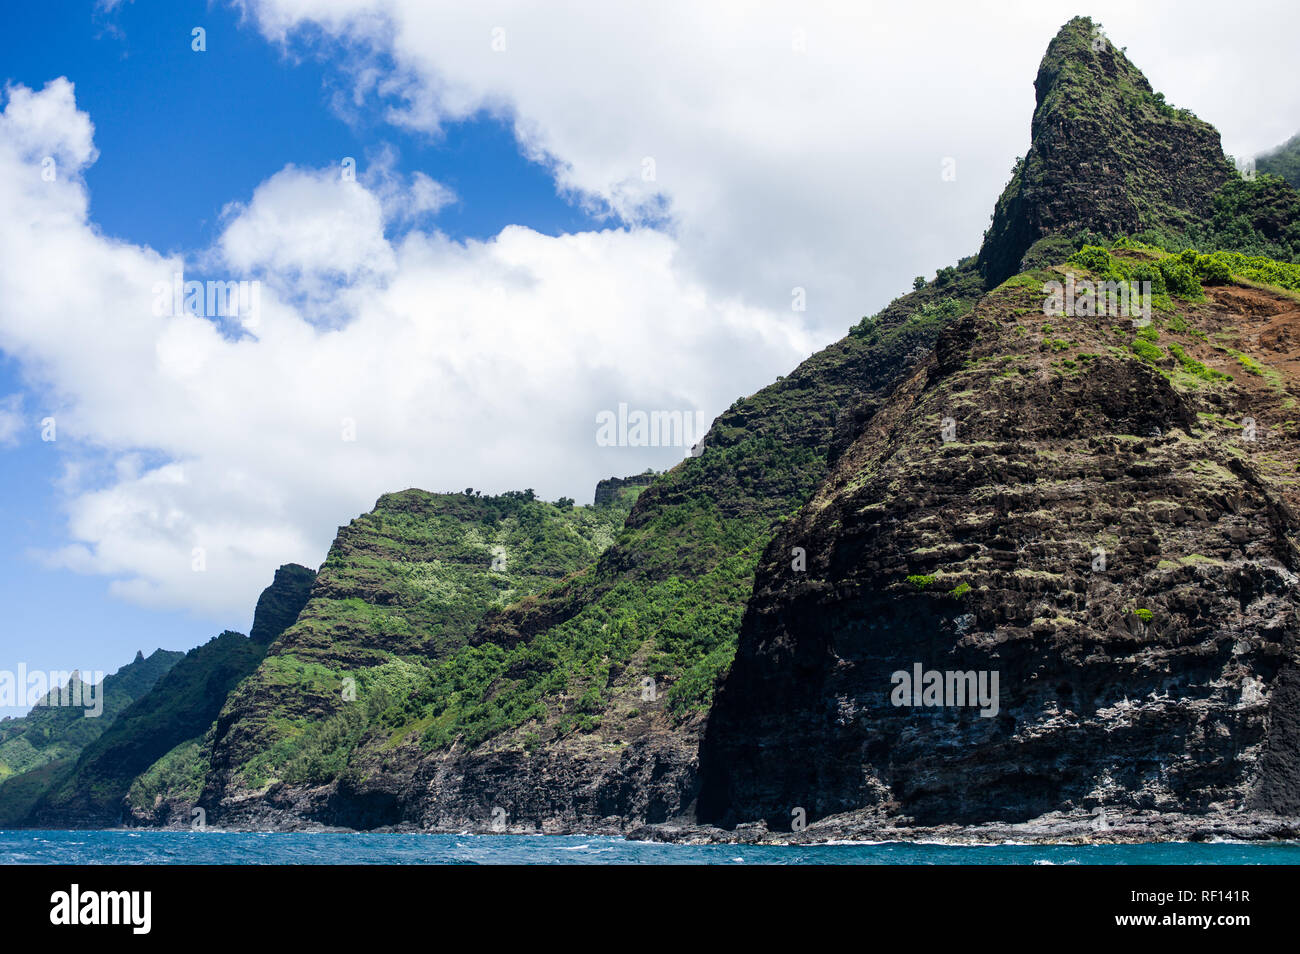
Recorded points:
(608, 490)
(1100, 515)
(1107, 155)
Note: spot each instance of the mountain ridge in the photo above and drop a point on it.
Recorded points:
(708, 653)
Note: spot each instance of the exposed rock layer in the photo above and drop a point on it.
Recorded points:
(1096, 532)
(1107, 154)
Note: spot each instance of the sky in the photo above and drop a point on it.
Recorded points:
(473, 228)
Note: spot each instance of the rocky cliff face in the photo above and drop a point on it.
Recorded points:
(1107, 527)
(1107, 155)
(401, 591)
(608, 490)
(281, 602)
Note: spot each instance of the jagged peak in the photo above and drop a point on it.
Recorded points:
(1107, 155)
(281, 602)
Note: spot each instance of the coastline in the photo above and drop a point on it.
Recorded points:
(1118, 828)
(1060, 829)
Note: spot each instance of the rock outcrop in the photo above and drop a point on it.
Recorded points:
(281, 602)
(1107, 155)
(607, 490)
(1095, 526)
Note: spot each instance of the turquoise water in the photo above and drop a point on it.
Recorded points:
(243, 848)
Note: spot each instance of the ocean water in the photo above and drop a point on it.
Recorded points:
(244, 848)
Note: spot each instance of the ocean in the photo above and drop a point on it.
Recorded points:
(211, 847)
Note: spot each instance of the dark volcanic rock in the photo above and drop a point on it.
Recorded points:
(1091, 535)
(1107, 155)
(281, 602)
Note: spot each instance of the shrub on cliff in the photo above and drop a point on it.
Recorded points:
(1213, 269)
(1179, 278)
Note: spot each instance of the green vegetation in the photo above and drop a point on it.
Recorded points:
(1180, 278)
(1183, 273)
(19, 794)
(1258, 218)
(1148, 352)
(1196, 368)
(1254, 268)
(1283, 162)
(405, 588)
(1248, 363)
(178, 774)
(40, 748)
(182, 705)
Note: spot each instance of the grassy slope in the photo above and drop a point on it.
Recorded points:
(181, 707)
(57, 735)
(665, 602)
(403, 588)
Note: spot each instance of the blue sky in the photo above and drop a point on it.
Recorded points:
(180, 134)
(201, 130)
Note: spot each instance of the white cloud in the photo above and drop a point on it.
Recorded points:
(11, 419)
(46, 123)
(793, 144)
(303, 224)
(796, 142)
(479, 363)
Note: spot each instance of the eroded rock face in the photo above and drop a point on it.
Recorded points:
(607, 490)
(1107, 154)
(281, 602)
(1096, 530)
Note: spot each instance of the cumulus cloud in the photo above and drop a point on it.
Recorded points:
(789, 143)
(304, 224)
(740, 152)
(210, 454)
